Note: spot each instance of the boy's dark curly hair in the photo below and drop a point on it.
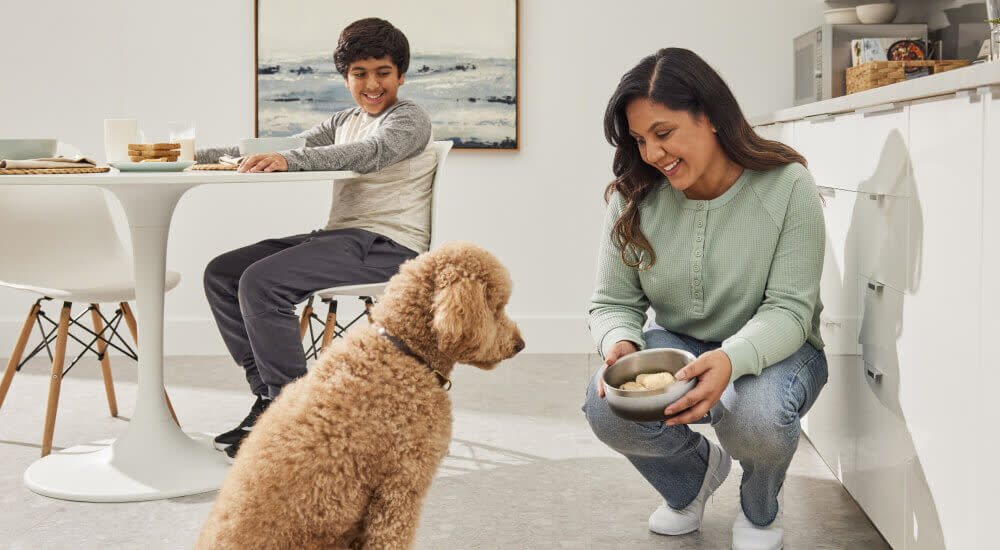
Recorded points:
(371, 37)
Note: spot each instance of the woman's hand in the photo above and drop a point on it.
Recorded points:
(267, 162)
(617, 351)
(713, 369)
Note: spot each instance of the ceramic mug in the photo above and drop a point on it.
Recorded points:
(118, 133)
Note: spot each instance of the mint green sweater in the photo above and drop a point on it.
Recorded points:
(742, 269)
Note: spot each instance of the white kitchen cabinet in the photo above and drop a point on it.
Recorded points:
(907, 420)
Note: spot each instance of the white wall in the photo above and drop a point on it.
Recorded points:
(538, 209)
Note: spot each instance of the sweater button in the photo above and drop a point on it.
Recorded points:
(697, 253)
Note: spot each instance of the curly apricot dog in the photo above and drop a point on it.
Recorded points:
(345, 455)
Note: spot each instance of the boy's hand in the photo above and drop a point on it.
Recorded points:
(267, 162)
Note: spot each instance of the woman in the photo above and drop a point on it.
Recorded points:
(721, 232)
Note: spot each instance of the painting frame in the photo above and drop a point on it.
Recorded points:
(517, 81)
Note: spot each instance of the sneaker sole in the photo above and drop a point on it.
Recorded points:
(716, 480)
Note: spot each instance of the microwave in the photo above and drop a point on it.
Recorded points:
(823, 55)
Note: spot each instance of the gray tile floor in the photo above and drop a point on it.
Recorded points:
(524, 470)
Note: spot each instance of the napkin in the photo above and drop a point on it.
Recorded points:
(231, 161)
(54, 162)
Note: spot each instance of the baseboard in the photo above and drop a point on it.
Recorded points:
(199, 336)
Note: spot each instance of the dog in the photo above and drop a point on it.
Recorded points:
(344, 455)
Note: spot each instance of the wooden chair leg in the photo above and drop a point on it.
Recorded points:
(102, 346)
(15, 357)
(368, 308)
(130, 321)
(304, 321)
(330, 327)
(56, 380)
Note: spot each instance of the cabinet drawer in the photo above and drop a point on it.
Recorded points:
(884, 242)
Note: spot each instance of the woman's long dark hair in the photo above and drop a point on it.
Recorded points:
(681, 81)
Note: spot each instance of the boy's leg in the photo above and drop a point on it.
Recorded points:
(221, 282)
(673, 459)
(757, 421)
(270, 288)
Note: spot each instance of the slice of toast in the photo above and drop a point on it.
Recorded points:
(171, 158)
(152, 146)
(153, 153)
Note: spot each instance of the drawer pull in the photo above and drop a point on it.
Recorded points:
(877, 109)
(873, 372)
(876, 287)
(875, 196)
(818, 118)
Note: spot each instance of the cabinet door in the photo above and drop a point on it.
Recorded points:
(885, 248)
(940, 349)
(839, 282)
(987, 506)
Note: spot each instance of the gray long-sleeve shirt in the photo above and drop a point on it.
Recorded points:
(392, 197)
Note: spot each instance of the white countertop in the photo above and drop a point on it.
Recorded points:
(115, 177)
(974, 76)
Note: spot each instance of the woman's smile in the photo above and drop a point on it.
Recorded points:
(672, 168)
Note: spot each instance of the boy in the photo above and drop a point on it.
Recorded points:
(377, 221)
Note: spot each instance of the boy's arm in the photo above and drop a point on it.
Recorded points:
(405, 131)
(210, 155)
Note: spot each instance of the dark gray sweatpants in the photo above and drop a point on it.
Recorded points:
(253, 292)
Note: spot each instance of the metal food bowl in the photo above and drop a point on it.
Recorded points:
(646, 405)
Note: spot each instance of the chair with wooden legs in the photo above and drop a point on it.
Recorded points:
(367, 293)
(60, 243)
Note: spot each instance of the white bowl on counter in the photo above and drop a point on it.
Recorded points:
(876, 14)
(841, 16)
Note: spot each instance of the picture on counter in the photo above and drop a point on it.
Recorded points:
(466, 78)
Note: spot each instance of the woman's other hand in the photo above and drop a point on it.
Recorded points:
(267, 162)
(713, 369)
(617, 351)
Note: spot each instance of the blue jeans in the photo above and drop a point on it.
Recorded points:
(756, 420)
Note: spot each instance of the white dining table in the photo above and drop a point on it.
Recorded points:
(153, 458)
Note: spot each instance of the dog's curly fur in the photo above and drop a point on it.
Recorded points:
(345, 455)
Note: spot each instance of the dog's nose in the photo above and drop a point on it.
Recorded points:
(519, 346)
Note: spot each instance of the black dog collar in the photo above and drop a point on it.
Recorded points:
(401, 346)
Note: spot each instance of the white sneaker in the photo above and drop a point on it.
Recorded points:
(667, 521)
(747, 536)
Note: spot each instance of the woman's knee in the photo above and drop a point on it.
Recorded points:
(762, 432)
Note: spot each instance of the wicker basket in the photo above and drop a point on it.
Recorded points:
(881, 73)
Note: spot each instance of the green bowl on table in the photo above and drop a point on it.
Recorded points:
(27, 148)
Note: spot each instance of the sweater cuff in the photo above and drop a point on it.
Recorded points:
(743, 355)
(292, 159)
(616, 335)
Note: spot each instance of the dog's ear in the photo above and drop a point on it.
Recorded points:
(461, 312)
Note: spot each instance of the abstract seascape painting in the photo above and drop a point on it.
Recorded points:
(463, 65)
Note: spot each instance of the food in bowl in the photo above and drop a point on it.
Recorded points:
(646, 405)
(648, 381)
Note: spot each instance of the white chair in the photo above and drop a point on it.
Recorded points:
(60, 242)
(366, 292)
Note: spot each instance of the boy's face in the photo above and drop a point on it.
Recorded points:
(374, 83)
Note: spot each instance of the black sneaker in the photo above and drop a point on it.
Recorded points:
(235, 435)
(231, 450)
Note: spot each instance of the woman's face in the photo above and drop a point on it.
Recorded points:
(680, 146)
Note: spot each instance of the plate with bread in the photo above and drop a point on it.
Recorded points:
(153, 157)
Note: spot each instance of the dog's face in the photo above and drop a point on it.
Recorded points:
(471, 290)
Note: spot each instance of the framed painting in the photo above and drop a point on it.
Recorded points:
(463, 65)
